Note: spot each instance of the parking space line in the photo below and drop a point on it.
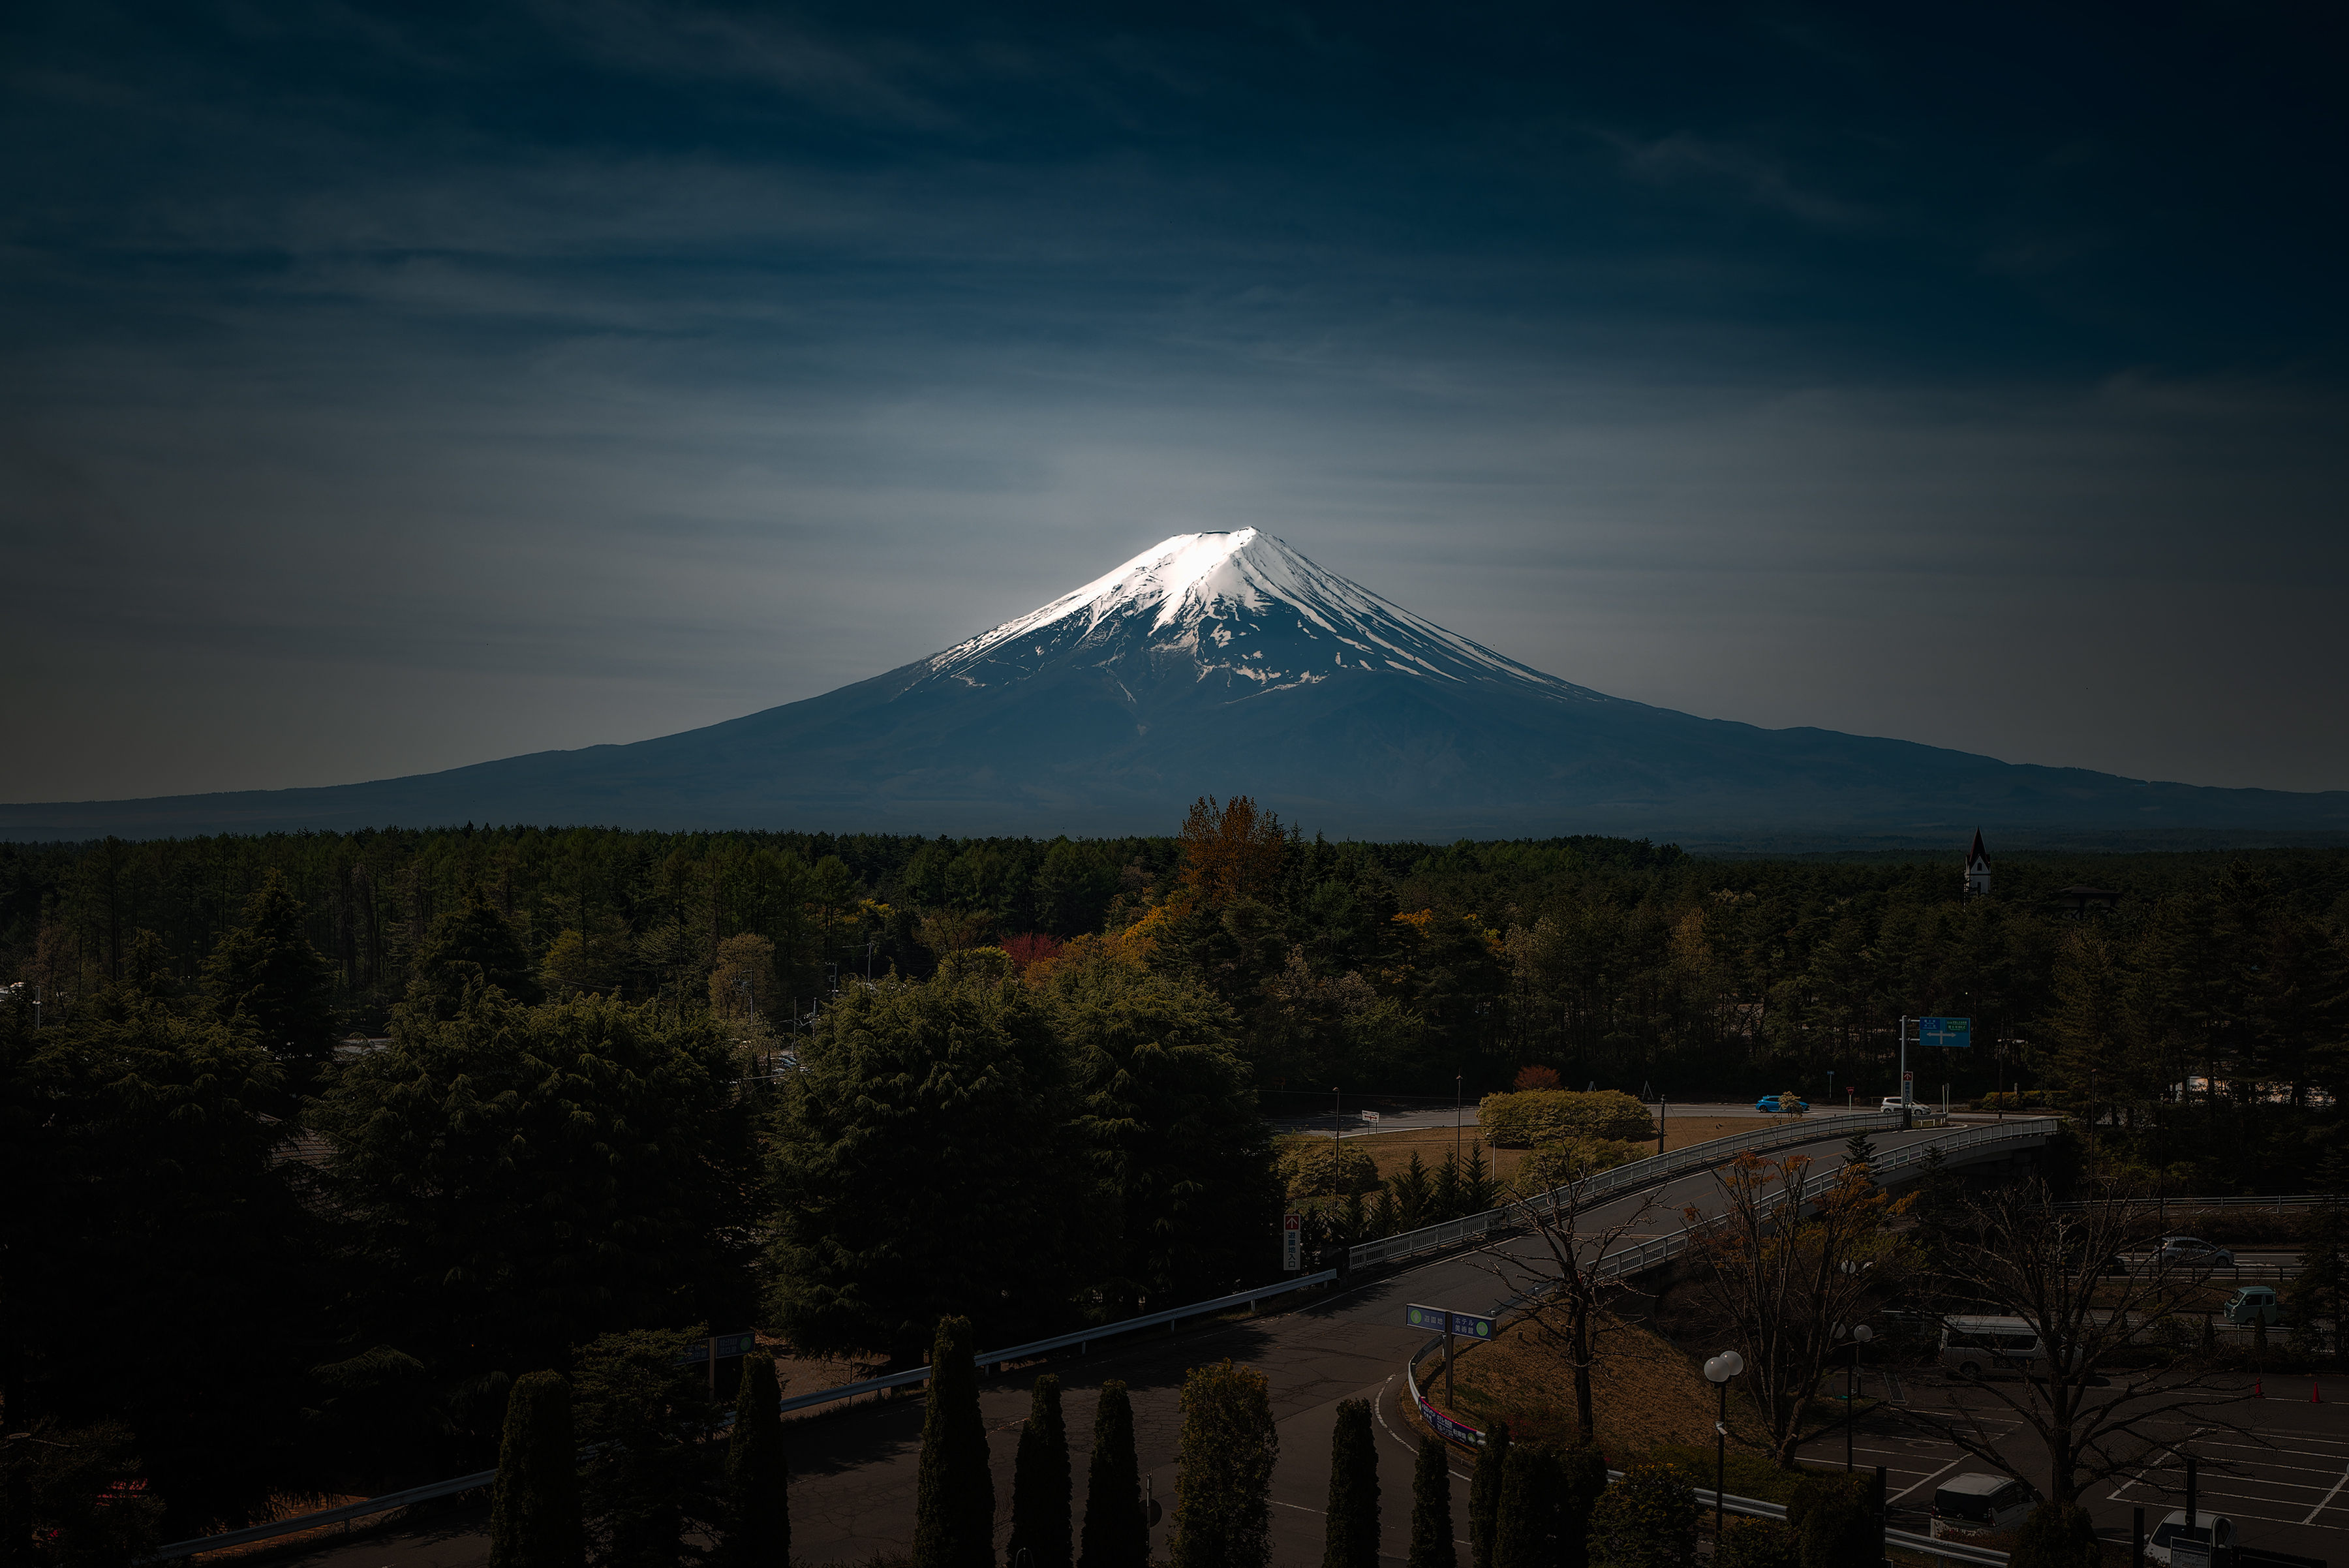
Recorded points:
(2329, 1496)
(1929, 1481)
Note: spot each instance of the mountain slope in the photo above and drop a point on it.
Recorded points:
(1222, 663)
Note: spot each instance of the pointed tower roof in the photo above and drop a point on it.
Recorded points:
(1977, 855)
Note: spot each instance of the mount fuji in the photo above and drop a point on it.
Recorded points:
(1228, 663)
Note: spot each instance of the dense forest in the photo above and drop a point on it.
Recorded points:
(315, 1143)
(1379, 969)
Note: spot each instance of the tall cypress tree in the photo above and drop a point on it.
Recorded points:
(1040, 1482)
(1116, 1535)
(954, 1500)
(1485, 1494)
(1223, 1491)
(1431, 1508)
(1351, 1539)
(1582, 1478)
(534, 1517)
(758, 1512)
(1524, 1532)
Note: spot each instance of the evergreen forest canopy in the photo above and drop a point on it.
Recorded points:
(571, 1114)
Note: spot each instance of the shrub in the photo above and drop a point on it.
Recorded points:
(1531, 1118)
(1431, 1508)
(1041, 1504)
(1554, 1165)
(1833, 1516)
(1485, 1494)
(1646, 1521)
(1757, 1543)
(758, 1475)
(2057, 1535)
(1115, 1533)
(1327, 1167)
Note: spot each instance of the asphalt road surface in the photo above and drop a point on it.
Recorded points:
(2281, 1479)
(853, 1469)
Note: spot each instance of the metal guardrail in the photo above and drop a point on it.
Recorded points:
(1444, 1422)
(985, 1359)
(2198, 1205)
(1641, 1173)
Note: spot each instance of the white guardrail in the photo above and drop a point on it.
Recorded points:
(1080, 1338)
(1728, 1503)
(1647, 1172)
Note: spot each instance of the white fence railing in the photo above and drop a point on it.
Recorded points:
(1679, 1162)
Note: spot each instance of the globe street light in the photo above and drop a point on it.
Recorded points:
(1719, 1371)
(1859, 1336)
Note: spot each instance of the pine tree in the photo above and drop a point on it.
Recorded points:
(1525, 1526)
(954, 1504)
(1478, 1190)
(1223, 1488)
(534, 1517)
(1040, 1482)
(758, 1474)
(1116, 1534)
(1485, 1494)
(1858, 1150)
(266, 973)
(1431, 1508)
(1582, 1480)
(1351, 1537)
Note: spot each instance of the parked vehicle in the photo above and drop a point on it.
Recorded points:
(2255, 1303)
(1891, 1103)
(1975, 1347)
(2193, 1253)
(1793, 1105)
(2214, 1531)
(1975, 1502)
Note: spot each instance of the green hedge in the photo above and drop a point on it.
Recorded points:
(1530, 1117)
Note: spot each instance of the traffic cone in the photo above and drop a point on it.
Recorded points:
(2259, 1390)
(2315, 1394)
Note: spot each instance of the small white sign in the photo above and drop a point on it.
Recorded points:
(1370, 1116)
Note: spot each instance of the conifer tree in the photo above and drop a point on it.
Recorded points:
(534, 1517)
(1525, 1526)
(758, 1473)
(1581, 1478)
(954, 1502)
(266, 973)
(1116, 1535)
(1431, 1508)
(1485, 1494)
(1222, 1490)
(1040, 1482)
(1351, 1537)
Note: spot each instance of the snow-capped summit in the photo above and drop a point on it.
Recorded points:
(1226, 664)
(1240, 611)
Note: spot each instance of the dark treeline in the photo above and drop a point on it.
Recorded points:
(260, 1256)
(1376, 967)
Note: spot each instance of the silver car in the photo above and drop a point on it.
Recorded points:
(2193, 1253)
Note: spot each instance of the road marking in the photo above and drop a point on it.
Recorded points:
(2329, 1496)
(1936, 1475)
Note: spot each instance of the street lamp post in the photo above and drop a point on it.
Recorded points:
(1859, 1335)
(1719, 1371)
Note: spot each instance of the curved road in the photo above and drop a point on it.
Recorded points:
(853, 1469)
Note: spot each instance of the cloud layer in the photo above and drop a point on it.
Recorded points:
(386, 388)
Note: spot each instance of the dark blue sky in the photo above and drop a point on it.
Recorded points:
(387, 388)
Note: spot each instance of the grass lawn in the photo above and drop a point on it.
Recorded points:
(1393, 1150)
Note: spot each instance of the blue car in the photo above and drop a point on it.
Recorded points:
(1792, 1105)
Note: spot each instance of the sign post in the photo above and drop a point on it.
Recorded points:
(1470, 1326)
(1292, 1243)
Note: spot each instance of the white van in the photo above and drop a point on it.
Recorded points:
(1973, 1347)
(1977, 1502)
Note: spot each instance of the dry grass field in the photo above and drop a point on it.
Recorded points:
(1393, 1150)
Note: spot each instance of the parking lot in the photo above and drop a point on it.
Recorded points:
(2281, 1478)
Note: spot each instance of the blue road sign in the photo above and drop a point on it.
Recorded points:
(1945, 1031)
(1461, 1324)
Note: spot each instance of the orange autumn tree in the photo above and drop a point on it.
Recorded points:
(1230, 851)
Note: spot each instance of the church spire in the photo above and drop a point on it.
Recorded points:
(1977, 868)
